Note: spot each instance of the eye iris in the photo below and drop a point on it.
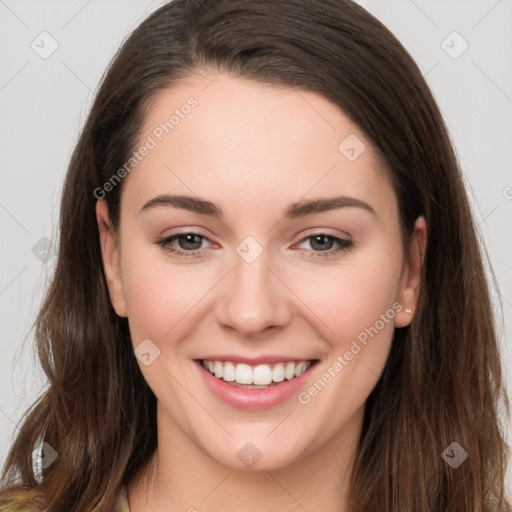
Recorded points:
(190, 239)
(320, 239)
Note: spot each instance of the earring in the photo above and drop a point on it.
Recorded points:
(408, 311)
(115, 300)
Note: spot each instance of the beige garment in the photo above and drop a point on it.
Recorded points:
(122, 500)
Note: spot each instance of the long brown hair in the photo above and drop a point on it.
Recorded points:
(443, 380)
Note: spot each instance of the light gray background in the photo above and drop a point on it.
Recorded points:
(43, 103)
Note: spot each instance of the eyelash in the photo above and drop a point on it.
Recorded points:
(165, 243)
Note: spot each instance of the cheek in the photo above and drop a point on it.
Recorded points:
(358, 304)
(351, 297)
(158, 294)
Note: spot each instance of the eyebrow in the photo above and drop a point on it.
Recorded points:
(293, 211)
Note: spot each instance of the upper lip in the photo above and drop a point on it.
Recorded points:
(254, 361)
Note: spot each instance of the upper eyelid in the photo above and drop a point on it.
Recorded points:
(308, 234)
(319, 231)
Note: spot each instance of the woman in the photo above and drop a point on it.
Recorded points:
(269, 292)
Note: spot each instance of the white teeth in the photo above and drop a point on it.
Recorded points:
(243, 374)
(300, 368)
(261, 375)
(278, 373)
(289, 371)
(228, 373)
(217, 367)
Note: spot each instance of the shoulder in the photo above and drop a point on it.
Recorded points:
(122, 500)
(27, 501)
(20, 498)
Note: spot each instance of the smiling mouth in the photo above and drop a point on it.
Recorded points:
(262, 376)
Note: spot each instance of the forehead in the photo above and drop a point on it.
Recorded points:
(237, 141)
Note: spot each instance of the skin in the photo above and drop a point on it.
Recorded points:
(253, 149)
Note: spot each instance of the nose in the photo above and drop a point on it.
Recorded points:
(253, 298)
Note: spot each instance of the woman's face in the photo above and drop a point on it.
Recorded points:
(288, 250)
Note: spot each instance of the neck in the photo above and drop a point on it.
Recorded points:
(181, 476)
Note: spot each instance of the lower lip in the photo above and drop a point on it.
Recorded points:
(254, 399)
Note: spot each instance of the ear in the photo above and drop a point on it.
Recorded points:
(110, 256)
(411, 276)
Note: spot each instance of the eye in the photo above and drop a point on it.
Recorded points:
(324, 244)
(189, 244)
